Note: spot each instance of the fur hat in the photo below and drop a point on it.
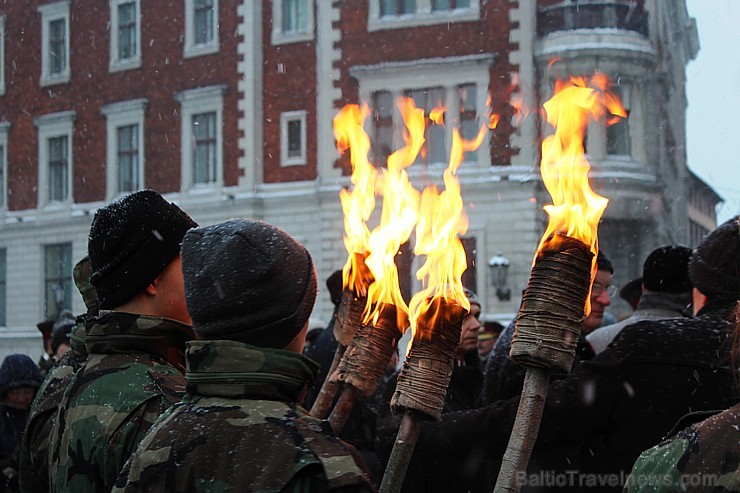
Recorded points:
(603, 262)
(714, 268)
(248, 281)
(131, 242)
(666, 270)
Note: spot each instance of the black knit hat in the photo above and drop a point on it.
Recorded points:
(666, 270)
(714, 268)
(247, 281)
(131, 241)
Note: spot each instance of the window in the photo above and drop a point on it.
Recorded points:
(202, 138)
(3, 287)
(4, 127)
(55, 157)
(57, 279)
(54, 43)
(292, 20)
(617, 134)
(201, 27)
(125, 35)
(390, 14)
(125, 144)
(461, 85)
(2, 55)
(293, 138)
(434, 149)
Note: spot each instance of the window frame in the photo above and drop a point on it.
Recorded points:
(4, 131)
(117, 115)
(193, 102)
(285, 119)
(49, 13)
(400, 77)
(48, 127)
(65, 276)
(624, 93)
(424, 15)
(116, 63)
(191, 47)
(280, 36)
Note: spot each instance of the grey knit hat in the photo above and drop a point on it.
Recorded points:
(714, 267)
(248, 281)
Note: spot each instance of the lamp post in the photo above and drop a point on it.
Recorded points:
(499, 266)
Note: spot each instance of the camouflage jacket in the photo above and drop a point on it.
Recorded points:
(704, 457)
(240, 429)
(34, 465)
(132, 374)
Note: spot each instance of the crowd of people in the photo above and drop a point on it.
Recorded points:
(193, 369)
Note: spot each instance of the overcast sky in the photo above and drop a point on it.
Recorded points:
(713, 133)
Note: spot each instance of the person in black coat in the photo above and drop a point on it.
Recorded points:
(621, 402)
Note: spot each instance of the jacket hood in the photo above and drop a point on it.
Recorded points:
(19, 370)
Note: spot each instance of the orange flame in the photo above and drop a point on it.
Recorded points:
(442, 220)
(359, 203)
(398, 217)
(437, 115)
(576, 208)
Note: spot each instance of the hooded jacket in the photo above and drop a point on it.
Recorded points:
(132, 374)
(17, 370)
(258, 438)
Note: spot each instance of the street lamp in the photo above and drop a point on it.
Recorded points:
(499, 266)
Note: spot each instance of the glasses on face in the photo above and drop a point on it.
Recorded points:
(597, 289)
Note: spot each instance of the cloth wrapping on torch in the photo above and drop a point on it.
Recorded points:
(549, 321)
(349, 316)
(369, 352)
(425, 375)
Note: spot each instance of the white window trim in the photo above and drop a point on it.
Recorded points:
(4, 130)
(423, 16)
(2, 55)
(50, 126)
(281, 37)
(192, 49)
(193, 102)
(51, 12)
(119, 64)
(284, 119)
(399, 77)
(118, 115)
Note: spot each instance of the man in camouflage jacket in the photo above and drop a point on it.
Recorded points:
(250, 289)
(34, 453)
(133, 371)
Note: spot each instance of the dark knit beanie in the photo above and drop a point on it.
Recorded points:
(131, 241)
(603, 262)
(714, 268)
(247, 281)
(334, 285)
(666, 270)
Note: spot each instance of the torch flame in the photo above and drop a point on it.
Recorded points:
(398, 217)
(576, 208)
(359, 203)
(437, 115)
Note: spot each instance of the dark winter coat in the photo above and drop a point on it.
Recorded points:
(620, 403)
(17, 370)
(240, 429)
(503, 379)
(133, 373)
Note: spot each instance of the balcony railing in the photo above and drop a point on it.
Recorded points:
(627, 15)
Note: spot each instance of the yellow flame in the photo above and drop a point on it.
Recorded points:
(437, 115)
(359, 203)
(576, 208)
(442, 220)
(398, 217)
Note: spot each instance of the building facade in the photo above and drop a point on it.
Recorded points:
(226, 108)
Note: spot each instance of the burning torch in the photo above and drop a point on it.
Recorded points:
(557, 296)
